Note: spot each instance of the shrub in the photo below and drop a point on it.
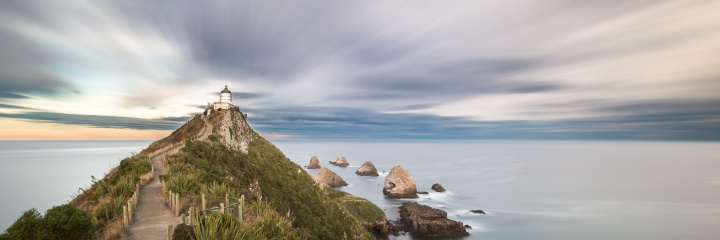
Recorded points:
(59, 222)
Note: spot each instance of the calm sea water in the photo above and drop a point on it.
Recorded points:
(42, 174)
(531, 190)
(546, 190)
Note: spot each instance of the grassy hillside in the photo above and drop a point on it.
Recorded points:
(190, 129)
(281, 184)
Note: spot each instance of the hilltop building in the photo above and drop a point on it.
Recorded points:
(225, 100)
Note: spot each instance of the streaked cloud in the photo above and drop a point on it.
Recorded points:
(373, 69)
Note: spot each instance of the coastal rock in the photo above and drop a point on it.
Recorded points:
(422, 192)
(367, 169)
(477, 211)
(342, 162)
(437, 187)
(314, 163)
(328, 177)
(424, 221)
(334, 161)
(400, 184)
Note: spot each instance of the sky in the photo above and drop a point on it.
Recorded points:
(481, 69)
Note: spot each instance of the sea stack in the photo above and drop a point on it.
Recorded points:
(400, 184)
(367, 169)
(314, 163)
(342, 162)
(328, 177)
(437, 187)
(334, 161)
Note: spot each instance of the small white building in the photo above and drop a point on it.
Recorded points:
(225, 100)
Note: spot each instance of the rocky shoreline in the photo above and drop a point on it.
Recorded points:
(416, 219)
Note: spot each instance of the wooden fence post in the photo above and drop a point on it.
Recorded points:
(227, 199)
(170, 232)
(130, 211)
(125, 216)
(203, 202)
(177, 204)
(192, 215)
(222, 208)
(183, 218)
(240, 208)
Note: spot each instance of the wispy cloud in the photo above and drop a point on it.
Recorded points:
(373, 69)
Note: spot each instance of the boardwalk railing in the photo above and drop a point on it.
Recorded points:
(198, 206)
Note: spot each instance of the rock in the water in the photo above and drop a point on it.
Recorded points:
(422, 192)
(400, 184)
(342, 162)
(314, 163)
(477, 211)
(437, 187)
(328, 177)
(424, 221)
(334, 161)
(367, 169)
(468, 226)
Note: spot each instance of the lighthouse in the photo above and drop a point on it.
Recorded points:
(225, 100)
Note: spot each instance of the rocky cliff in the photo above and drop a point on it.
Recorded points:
(232, 128)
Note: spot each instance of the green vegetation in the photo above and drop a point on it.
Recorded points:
(59, 222)
(187, 131)
(264, 174)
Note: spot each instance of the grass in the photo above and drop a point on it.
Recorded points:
(189, 130)
(264, 174)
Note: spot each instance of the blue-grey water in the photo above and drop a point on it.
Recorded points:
(531, 190)
(42, 174)
(546, 190)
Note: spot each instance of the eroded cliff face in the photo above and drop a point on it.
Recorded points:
(234, 130)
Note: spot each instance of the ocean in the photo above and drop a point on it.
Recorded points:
(530, 189)
(545, 189)
(43, 174)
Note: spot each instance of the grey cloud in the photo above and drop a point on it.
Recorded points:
(100, 121)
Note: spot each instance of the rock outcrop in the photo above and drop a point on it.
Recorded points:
(477, 211)
(328, 177)
(437, 187)
(314, 163)
(424, 221)
(342, 162)
(400, 184)
(236, 133)
(367, 169)
(334, 161)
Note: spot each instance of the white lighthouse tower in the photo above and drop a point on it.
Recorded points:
(225, 100)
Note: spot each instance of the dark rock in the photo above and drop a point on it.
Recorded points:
(422, 192)
(437, 187)
(367, 169)
(183, 232)
(468, 226)
(424, 221)
(380, 229)
(477, 211)
(314, 163)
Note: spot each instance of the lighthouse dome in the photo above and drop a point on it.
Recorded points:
(226, 90)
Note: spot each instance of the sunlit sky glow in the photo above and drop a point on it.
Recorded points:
(557, 69)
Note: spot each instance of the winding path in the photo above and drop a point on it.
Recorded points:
(153, 215)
